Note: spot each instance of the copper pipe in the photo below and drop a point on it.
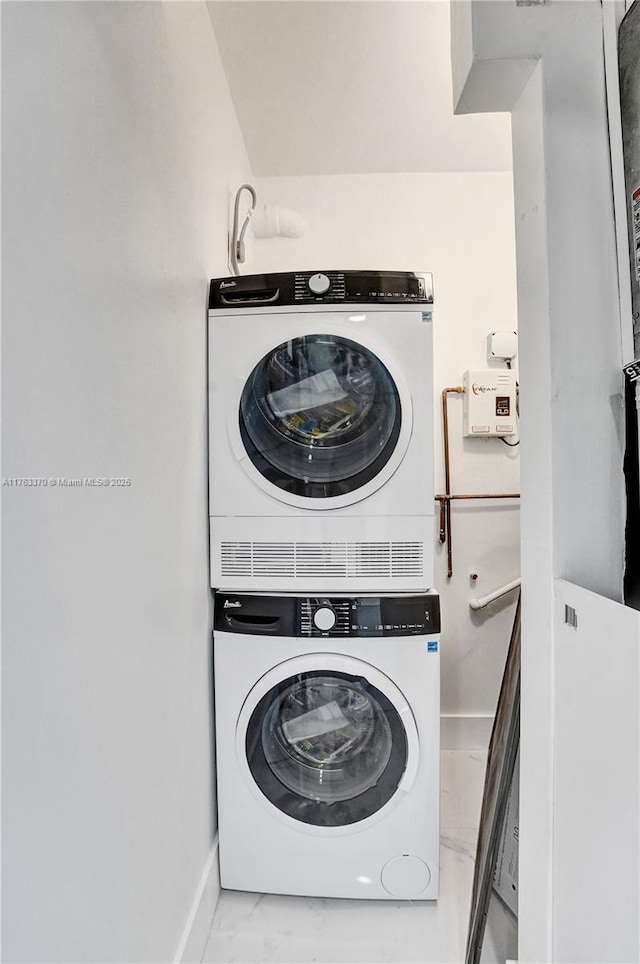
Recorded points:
(482, 495)
(445, 531)
(443, 518)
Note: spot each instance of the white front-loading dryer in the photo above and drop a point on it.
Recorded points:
(321, 432)
(327, 717)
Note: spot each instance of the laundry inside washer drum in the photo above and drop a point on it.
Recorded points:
(326, 748)
(326, 739)
(319, 409)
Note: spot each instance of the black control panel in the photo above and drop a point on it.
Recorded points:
(327, 616)
(324, 287)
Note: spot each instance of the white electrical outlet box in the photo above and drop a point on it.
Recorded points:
(502, 344)
(489, 403)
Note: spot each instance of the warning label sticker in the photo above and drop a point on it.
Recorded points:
(635, 214)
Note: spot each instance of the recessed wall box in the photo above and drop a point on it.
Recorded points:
(489, 403)
(502, 344)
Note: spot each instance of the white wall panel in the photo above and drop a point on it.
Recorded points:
(596, 779)
(120, 149)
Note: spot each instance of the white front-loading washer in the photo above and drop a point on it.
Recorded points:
(321, 432)
(327, 717)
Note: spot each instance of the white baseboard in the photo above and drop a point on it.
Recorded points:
(459, 732)
(196, 930)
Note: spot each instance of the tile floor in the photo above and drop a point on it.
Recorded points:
(271, 929)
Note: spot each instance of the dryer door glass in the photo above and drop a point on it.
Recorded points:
(326, 748)
(320, 416)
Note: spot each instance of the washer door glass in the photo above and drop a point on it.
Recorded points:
(326, 748)
(320, 416)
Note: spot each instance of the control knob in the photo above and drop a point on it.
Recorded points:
(319, 284)
(324, 619)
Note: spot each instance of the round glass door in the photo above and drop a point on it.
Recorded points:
(320, 416)
(327, 748)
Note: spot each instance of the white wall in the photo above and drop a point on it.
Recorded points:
(460, 227)
(120, 149)
(570, 363)
(596, 892)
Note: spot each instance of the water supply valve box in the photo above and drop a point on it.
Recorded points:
(489, 403)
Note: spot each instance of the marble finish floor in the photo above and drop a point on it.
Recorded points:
(272, 929)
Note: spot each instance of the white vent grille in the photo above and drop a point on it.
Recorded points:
(344, 560)
(504, 378)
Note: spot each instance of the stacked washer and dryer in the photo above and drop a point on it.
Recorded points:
(326, 628)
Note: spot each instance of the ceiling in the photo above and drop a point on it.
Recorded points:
(350, 87)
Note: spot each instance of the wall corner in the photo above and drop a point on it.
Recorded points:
(481, 82)
(461, 48)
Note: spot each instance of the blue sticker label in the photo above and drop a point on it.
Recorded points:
(432, 646)
(427, 315)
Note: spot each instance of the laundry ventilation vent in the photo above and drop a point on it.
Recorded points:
(346, 560)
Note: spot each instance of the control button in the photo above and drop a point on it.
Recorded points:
(324, 619)
(319, 284)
